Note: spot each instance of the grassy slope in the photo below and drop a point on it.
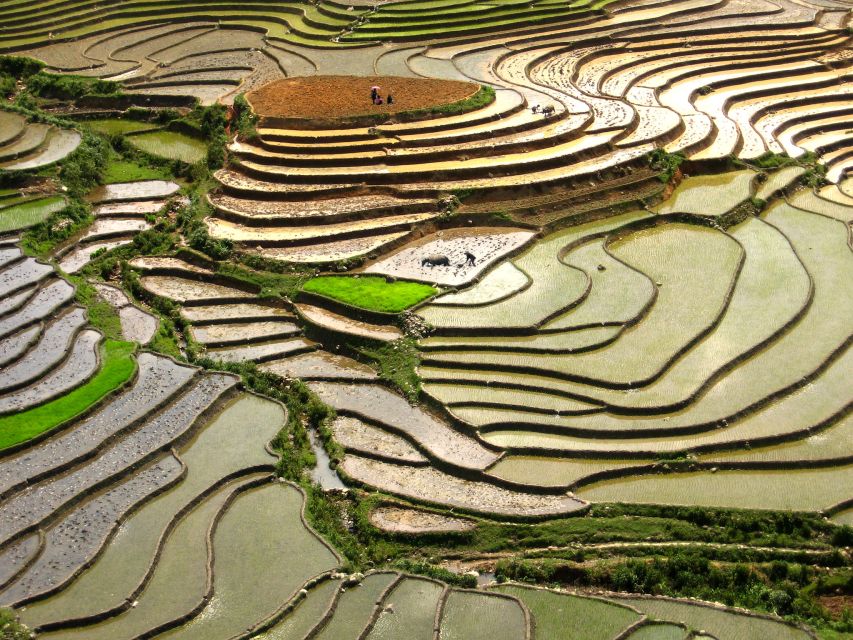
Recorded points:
(118, 365)
(372, 293)
(125, 171)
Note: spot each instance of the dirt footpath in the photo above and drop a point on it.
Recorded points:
(346, 96)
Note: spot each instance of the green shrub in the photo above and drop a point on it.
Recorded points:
(666, 164)
(84, 169)
(19, 66)
(245, 120)
(45, 236)
(10, 628)
(69, 87)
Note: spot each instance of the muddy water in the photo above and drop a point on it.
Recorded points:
(296, 624)
(263, 555)
(476, 616)
(710, 195)
(355, 606)
(144, 190)
(410, 611)
(230, 443)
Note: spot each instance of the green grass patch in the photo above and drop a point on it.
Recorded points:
(117, 367)
(165, 341)
(29, 213)
(371, 292)
(126, 171)
(397, 362)
(271, 284)
(102, 315)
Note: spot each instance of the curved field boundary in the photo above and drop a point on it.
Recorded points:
(718, 607)
(117, 370)
(525, 612)
(194, 501)
(17, 594)
(54, 457)
(241, 483)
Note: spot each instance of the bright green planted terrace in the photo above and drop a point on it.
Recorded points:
(117, 367)
(30, 213)
(170, 145)
(371, 293)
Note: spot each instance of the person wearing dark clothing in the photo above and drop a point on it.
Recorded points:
(390, 99)
(373, 95)
(469, 258)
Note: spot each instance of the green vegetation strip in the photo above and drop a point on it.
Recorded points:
(371, 293)
(29, 213)
(118, 366)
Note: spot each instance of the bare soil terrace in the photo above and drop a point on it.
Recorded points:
(349, 96)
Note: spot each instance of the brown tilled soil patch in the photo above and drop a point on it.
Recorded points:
(347, 96)
(836, 604)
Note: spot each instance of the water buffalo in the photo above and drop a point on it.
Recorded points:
(436, 260)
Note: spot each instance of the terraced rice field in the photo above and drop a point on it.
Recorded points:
(594, 252)
(30, 145)
(170, 145)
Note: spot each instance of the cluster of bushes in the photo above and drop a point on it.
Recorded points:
(14, 68)
(666, 164)
(69, 87)
(195, 231)
(84, 168)
(49, 85)
(59, 226)
(783, 588)
(245, 120)
(11, 629)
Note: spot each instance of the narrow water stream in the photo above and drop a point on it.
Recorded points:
(323, 474)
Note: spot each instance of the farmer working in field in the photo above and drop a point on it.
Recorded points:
(470, 259)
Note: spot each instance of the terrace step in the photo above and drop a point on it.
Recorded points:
(433, 437)
(141, 191)
(48, 353)
(430, 486)
(33, 137)
(263, 351)
(12, 126)
(238, 312)
(333, 251)
(320, 365)
(505, 104)
(80, 365)
(242, 333)
(78, 258)
(311, 235)
(159, 381)
(229, 446)
(58, 144)
(326, 320)
(269, 212)
(566, 153)
(49, 297)
(75, 540)
(32, 506)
